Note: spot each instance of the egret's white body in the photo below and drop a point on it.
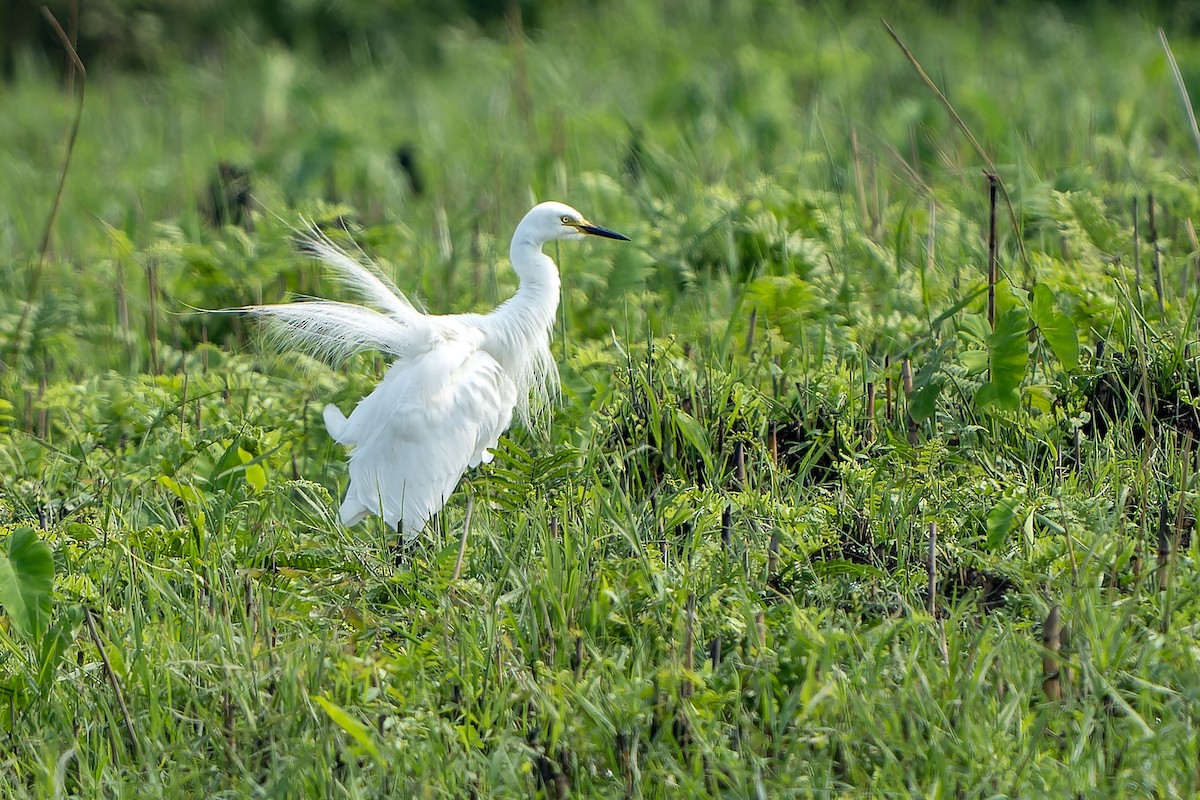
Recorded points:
(456, 380)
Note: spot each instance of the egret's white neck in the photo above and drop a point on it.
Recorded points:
(536, 300)
(518, 332)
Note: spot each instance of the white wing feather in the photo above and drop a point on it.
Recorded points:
(360, 276)
(335, 331)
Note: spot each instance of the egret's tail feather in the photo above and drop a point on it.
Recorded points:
(352, 511)
(335, 423)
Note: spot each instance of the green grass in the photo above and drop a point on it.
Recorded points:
(710, 575)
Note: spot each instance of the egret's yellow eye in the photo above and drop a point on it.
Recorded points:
(566, 220)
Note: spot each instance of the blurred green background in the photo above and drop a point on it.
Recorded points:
(145, 34)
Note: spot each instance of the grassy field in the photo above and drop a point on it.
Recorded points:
(810, 520)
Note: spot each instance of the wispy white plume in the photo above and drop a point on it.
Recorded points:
(334, 332)
(358, 275)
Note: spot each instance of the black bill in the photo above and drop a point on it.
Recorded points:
(596, 230)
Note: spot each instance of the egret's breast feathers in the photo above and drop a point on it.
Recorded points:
(423, 426)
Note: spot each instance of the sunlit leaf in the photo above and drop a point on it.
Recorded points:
(361, 733)
(256, 475)
(1056, 328)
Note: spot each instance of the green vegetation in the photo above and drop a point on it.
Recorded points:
(711, 575)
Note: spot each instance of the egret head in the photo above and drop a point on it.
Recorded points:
(548, 221)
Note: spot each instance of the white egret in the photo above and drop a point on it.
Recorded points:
(456, 379)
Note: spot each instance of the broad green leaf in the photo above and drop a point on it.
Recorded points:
(1008, 355)
(26, 579)
(1000, 522)
(695, 435)
(349, 724)
(1008, 352)
(784, 301)
(988, 396)
(931, 363)
(923, 401)
(192, 501)
(238, 463)
(1057, 329)
(788, 292)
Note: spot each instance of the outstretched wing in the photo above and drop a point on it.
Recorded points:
(334, 331)
(360, 276)
(426, 423)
